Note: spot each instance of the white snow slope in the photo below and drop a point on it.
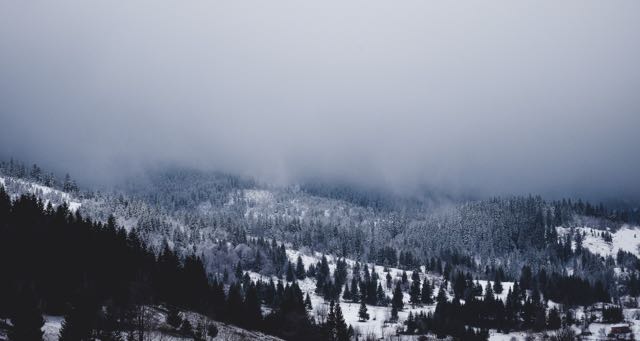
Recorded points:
(627, 238)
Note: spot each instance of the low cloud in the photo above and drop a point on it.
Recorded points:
(497, 97)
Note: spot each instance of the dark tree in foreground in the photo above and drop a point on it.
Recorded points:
(26, 320)
(79, 322)
(173, 317)
(341, 329)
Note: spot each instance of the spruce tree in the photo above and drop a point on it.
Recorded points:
(307, 302)
(540, 318)
(346, 295)
(300, 271)
(396, 301)
(26, 320)
(311, 272)
(382, 298)
(173, 317)
(330, 325)
(322, 275)
(427, 292)
(362, 313)
(488, 294)
(234, 305)
(442, 295)
(497, 284)
(238, 272)
(186, 329)
(252, 311)
(342, 330)
(79, 322)
(355, 295)
(554, 320)
(394, 313)
(414, 292)
(525, 278)
(290, 275)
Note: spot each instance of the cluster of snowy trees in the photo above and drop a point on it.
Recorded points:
(523, 308)
(101, 278)
(101, 293)
(34, 173)
(363, 225)
(195, 210)
(210, 228)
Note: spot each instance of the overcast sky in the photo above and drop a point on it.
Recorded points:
(497, 96)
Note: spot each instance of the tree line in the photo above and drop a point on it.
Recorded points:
(99, 276)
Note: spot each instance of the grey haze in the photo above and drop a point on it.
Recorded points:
(491, 96)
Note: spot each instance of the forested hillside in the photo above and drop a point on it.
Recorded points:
(278, 259)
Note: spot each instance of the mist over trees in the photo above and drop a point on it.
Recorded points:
(190, 238)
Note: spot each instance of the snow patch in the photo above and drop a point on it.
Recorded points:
(627, 238)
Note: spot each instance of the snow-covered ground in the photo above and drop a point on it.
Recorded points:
(378, 323)
(53, 324)
(51, 328)
(627, 238)
(16, 187)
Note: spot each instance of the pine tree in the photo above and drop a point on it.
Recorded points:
(311, 272)
(394, 314)
(79, 322)
(330, 325)
(488, 294)
(427, 292)
(396, 301)
(382, 298)
(497, 284)
(362, 313)
(186, 329)
(554, 320)
(355, 295)
(346, 295)
(300, 271)
(252, 311)
(234, 304)
(322, 275)
(414, 292)
(108, 328)
(540, 318)
(69, 185)
(289, 272)
(26, 320)
(442, 295)
(173, 317)
(342, 331)
(307, 302)
(525, 278)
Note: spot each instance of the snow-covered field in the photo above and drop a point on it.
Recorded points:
(16, 187)
(378, 323)
(627, 238)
